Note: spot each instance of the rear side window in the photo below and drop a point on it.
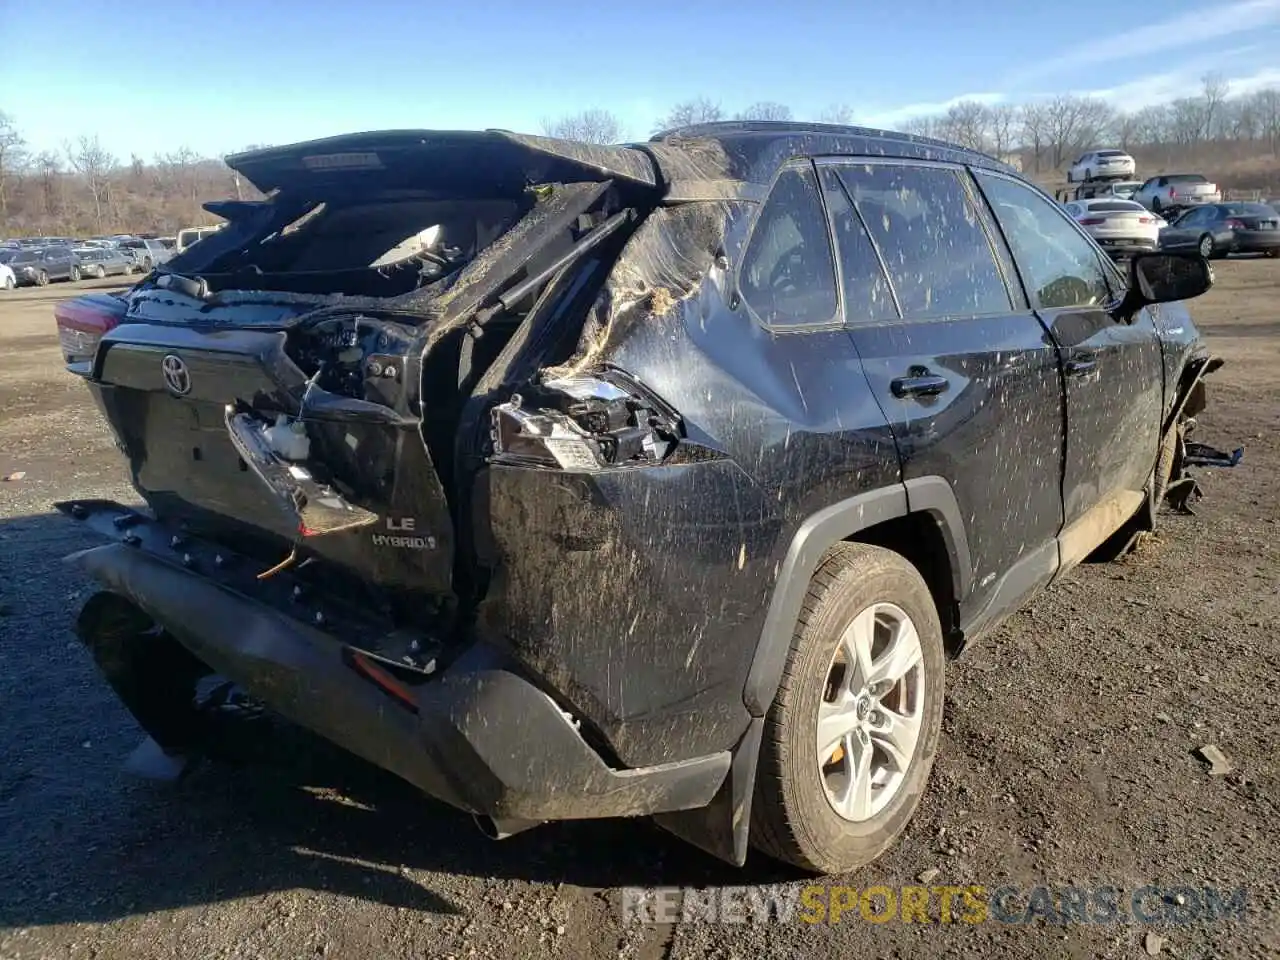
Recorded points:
(938, 255)
(788, 276)
(866, 288)
(1060, 266)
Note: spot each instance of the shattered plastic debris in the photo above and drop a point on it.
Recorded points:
(1219, 765)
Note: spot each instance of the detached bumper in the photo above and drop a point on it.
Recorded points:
(477, 736)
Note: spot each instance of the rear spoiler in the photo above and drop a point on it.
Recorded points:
(456, 162)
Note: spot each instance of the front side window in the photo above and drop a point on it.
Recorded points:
(938, 255)
(1060, 266)
(788, 275)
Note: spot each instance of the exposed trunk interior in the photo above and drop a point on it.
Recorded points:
(341, 355)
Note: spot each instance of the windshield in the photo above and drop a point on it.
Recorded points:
(1111, 153)
(1186, 178)
(188, 237)
(131, 244)
(26, 256)
(89, 254)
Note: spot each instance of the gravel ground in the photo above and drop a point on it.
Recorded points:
(1067, 754)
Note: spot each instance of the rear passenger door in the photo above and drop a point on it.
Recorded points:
(965, 372)
(1113, 372)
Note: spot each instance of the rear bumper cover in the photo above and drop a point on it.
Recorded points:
(482, 738)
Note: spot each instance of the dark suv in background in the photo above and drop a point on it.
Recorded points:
(37, 266)
(570, 481)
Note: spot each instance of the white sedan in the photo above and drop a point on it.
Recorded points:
(7, 280)
(1102, 165)
(1121, 227)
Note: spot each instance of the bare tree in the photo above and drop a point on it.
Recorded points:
(589, 126)
(94, 163)
(1213, 92)
(923, 127)
(49, 173)
(838, 113)
(12, 158)
(765, 110)
(1266, 103)
(1125, 130)
(1034, 130)
(1186, 121)
(689, 112)
(1073, 124)
(1002, 127)
(965, 123)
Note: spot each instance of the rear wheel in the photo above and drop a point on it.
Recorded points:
(852, 733)
(100, 272)
(1206, 247)
(74, 275)
(42, 279)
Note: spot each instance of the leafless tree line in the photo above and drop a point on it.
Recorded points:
(1043, 135)
(84, 189)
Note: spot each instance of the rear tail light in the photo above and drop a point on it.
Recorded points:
(1172, 192)
(82, 323)
(584, 424)
(1234, 224)
(1092, 221)
(1145, 220)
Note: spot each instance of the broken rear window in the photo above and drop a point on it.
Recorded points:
(372, 246)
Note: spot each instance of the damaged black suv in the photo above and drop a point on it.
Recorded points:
(569, 481)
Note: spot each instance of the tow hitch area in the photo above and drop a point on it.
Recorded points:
(315, 508)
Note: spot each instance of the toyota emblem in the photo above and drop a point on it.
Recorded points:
(176, 375)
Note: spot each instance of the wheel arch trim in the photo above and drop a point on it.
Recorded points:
(810, 543)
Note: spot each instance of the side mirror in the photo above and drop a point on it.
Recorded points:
(1163, 278)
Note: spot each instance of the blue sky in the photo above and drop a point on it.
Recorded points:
(216, 76)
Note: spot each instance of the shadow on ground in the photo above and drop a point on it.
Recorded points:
(82, 841)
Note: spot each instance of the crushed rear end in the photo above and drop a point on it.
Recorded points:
(308, 399)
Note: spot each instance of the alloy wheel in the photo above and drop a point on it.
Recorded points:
(869, 720)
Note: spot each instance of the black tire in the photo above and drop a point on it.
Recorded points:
(1156, 205)
(1206, 247)
(791, 817)
(100, 272)
(74, 274)
(1088, 176)
(42, 279)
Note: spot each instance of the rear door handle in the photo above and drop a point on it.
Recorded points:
(928, 385)
(1081, 366)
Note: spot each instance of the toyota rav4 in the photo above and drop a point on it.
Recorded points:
(662, 479)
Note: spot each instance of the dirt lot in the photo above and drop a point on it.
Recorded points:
(1066, 756)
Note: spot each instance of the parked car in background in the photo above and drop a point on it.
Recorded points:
(7, 280)
(1101, 164)
(37, 266)
(699, 554)
(1220, 229)
(189, 235)
(1121, 227)
(146, 253)
(1171, 192)
(103, 262)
